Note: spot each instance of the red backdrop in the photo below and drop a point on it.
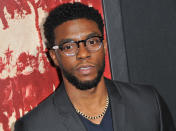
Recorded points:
(26, 77)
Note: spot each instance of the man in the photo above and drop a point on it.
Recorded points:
(86, 101)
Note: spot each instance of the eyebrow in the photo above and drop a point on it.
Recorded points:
(87, 37)
(64, 41)
(93, 34)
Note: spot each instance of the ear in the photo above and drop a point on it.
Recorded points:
(105, 46)
(54, 57)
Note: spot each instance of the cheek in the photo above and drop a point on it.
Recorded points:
(100, 57)
(67, 63)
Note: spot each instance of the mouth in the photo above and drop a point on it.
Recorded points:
(85, 69)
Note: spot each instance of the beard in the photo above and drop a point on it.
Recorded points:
(87, 84)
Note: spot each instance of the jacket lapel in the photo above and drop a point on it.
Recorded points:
(117, 106)
(66, 110)
(72, 121)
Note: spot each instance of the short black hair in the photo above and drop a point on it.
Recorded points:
(66, 12)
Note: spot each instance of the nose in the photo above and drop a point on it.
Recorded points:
(82, 53)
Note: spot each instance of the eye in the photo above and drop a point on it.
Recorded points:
(67, 46)
(93, 41)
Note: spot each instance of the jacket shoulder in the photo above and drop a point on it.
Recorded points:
(43, 117)
(144, 100)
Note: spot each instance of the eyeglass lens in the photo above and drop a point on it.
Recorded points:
(91, 44)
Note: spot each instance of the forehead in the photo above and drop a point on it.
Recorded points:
(76, 29)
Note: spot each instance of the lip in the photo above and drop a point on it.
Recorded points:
(85, 68)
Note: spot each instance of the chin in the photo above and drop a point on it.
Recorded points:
(86, 78)
(84, 82)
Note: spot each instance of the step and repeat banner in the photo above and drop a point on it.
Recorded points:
(26, 76)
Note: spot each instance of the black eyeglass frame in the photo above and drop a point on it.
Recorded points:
(60, 46)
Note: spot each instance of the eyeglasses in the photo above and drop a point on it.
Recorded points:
(70, 48)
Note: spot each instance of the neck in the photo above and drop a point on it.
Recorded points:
(91, 102)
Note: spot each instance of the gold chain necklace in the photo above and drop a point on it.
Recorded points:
(95, 117)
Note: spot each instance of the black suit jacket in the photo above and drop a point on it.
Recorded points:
(134, 108)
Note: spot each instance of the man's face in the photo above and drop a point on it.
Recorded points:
(84, 70)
